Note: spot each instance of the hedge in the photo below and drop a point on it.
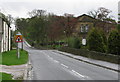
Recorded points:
(92, 54)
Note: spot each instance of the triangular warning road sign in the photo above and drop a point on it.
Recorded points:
(18, 38)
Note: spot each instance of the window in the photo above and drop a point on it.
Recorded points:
(86, 28)
(81, 29)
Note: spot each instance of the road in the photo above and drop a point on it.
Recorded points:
(48, 65)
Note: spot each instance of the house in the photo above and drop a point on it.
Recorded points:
(5, 36)
(84, 23)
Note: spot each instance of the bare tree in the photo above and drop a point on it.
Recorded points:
(36, 13)
(102, 13)
(10, 18)
(93, 13)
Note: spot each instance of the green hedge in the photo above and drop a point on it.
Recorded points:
(92, 54)
(74, 42)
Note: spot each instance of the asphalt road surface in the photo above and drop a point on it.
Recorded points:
(48, 65)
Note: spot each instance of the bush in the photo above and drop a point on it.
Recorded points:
(95, 41)
(103, 35)
(74, 42)
(114, 42)
(118, 27)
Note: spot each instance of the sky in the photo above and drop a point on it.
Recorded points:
(20, 8)
(119, 7)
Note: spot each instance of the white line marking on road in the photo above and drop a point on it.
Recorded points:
(64, 65)
(56, 61)
(51, 58)
(77, 73)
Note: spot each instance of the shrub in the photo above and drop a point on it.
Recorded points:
(104, 39)
(114, 42)
(74, 42)
(118, 27)
(95, 41)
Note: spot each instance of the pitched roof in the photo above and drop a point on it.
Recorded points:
(87, 18)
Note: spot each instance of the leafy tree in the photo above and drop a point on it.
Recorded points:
(68, 24)
(41, 27)
(95, 41)
(114, 42)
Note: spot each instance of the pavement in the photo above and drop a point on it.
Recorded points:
(100, 63)
(17, 71)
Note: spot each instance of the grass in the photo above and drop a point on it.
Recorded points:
(10, 58)
(4, 76)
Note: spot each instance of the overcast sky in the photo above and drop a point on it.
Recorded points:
(20, 8)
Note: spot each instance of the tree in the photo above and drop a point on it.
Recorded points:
(10, 18)
(41, 27)
(56, 27)
(102, 14)
(69, 24)
(114, 42)
(95, 41)
(37, 13)
(93, 13)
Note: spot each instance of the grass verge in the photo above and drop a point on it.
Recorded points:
(4, 76)
(10, 57)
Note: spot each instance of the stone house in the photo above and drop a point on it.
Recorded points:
(5, 36)
(84, 23)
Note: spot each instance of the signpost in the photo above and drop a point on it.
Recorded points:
(18, 39)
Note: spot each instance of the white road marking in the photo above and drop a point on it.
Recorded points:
(51, 58)
(56, 61)
(77, 73)
(64, 65)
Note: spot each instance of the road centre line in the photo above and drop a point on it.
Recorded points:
(77, 73)
(48, 55)
(64, 65)
(56, 61)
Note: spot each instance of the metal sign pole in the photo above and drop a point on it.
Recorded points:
(22, 45)
(18, 52)
(18, 39)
